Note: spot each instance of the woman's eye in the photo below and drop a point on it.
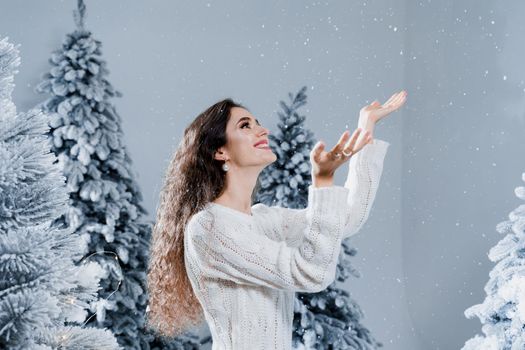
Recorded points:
(243, 124)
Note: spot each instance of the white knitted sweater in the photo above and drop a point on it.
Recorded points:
(245, 269)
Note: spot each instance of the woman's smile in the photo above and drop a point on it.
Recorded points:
(263, 144)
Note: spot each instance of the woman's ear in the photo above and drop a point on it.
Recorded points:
(220, 154)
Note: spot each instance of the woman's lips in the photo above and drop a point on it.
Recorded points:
(263, 146)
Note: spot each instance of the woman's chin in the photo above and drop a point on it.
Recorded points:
(269, 157)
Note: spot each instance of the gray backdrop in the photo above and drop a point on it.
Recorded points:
(450, 173)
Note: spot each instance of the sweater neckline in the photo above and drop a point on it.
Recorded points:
(231, 210)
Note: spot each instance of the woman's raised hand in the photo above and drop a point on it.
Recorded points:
(375, 111)
(369, 115)
(325, 163)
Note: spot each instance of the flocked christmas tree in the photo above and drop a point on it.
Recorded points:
(329, 319)
(502, 313)
(43, 293)
(105, 206)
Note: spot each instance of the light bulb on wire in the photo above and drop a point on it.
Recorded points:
(64, 335)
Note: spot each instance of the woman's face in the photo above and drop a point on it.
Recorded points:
(243, 131)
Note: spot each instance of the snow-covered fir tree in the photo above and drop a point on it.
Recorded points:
(105, 200)
(329, 319)
(502, 313)
(285, 182)
(43, 293)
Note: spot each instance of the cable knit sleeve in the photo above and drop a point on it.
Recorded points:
(223, 250)
(364, 173)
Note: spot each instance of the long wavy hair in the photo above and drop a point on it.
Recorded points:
(193, 178)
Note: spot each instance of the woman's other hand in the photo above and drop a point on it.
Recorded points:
(325, 163)
(369, 115)
(376, 111)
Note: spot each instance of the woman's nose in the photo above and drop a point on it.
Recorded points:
(265, 130)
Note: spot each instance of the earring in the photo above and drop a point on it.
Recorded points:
(225, 166)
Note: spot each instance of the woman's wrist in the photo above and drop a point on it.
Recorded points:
(319, 181)
(366, 123)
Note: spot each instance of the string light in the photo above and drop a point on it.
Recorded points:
(64, 335)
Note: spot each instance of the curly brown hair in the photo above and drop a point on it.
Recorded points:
(193, 178)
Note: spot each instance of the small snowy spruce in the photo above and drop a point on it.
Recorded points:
(502, 313)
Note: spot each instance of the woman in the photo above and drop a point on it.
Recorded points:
(215, 255)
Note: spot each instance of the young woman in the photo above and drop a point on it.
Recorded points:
(216, 256)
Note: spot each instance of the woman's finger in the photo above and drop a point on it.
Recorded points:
(394, 105)
(398, 98)
(397, 104)
(340, 144)
(316, 151)
(400, 95)
(391, 99)
(397, 101)
(351, 143)
(363, 141)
